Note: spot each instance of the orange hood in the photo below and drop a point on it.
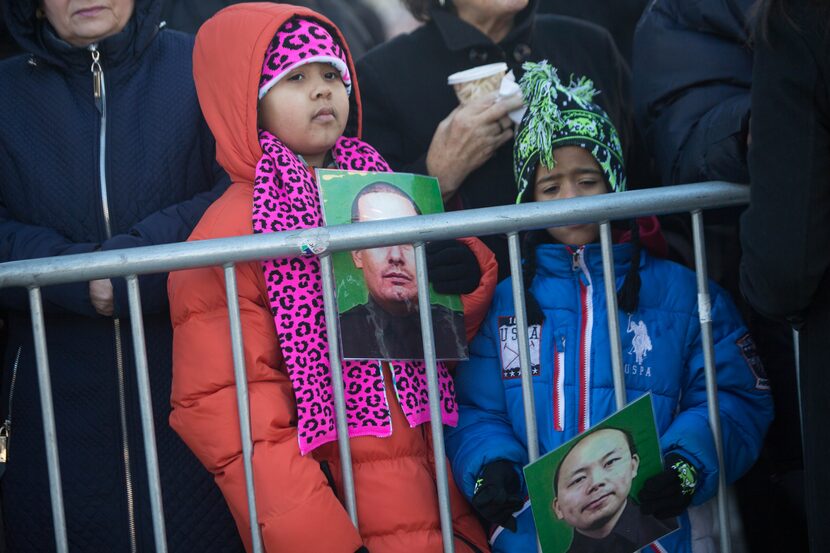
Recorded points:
(227, 63)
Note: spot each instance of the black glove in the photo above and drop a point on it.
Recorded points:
(669, 493)
(498, 494)
(452, 267)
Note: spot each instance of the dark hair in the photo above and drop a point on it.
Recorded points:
(380, 187)
(629, 438)
(420, 8)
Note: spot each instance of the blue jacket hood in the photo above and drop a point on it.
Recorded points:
(37, 37)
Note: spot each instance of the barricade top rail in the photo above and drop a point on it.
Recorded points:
(473, 222)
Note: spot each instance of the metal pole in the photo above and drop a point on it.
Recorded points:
(528, 397)
(146, 405)
(241, 378)
(704, 303)
(797, 351)
(524, 346)
(436, 423)
(332, 328)
(613, 316)
(48, 410)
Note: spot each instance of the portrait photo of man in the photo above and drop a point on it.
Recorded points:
(592, 494)
(388, 325)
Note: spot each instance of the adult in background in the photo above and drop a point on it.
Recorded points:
(359, 23)
(412, 116)
(692, 66)
(693, 73)
(785, 269)
(102, 147)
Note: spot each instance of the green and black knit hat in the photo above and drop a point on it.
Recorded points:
(562, 115)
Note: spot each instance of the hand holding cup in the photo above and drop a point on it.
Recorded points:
(468, 137)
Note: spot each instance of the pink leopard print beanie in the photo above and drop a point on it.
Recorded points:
(298, 42)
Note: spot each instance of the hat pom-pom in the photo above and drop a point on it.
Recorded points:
(541, 87)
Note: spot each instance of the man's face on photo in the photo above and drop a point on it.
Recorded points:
(389, 271)
(594, 481)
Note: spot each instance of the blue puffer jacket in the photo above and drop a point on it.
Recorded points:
(692, 69)
(146, 144)
(661, 345)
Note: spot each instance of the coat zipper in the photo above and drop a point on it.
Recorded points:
(6, 429)
(585, 336)
(558, 384)
(99, 91)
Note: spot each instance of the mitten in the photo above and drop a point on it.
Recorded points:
(452, 267)
(670, 492)
(498, 494)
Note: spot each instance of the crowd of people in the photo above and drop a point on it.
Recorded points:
(119, 128)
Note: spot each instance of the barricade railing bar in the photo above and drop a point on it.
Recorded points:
(226, 252)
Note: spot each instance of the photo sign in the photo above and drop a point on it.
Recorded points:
(376, 288)
(584, 493)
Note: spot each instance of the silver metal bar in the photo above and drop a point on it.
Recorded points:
(613, 313)
(436, 424)
(332, 328)
(528, 397)
(241, 378)
(704, 303)
(48, 410)
(146, 405)
(797, 352)
(473, 222)
(524, 345)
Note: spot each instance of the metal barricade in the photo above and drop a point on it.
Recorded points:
(226, 252)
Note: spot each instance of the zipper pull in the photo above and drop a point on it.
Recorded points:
(97, 75)
(563, 344)
(575, 259)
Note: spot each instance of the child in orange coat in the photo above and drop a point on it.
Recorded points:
(276, 84)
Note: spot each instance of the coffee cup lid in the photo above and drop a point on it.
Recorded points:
(480, 72)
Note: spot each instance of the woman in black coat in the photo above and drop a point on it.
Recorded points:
(412, 116)
(102, 146)
(785, 233)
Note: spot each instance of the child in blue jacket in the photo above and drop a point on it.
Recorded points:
(566, 147)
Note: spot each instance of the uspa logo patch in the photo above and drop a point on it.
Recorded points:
(509, 348)
(641, 342)
(750, 354)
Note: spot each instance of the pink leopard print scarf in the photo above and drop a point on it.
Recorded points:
(286, 198)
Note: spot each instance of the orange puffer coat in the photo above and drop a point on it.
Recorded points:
(297, 508)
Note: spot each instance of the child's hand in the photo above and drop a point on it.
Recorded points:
(452, 266)
(670, 492)
(498, 494)
(468, 137)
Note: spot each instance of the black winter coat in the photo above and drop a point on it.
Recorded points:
(785, 233)
(405, 94)
(618, 16)
(7, 45)
(692, 73)
(160, 175)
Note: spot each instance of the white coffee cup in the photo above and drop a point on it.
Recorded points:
(474, 82)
